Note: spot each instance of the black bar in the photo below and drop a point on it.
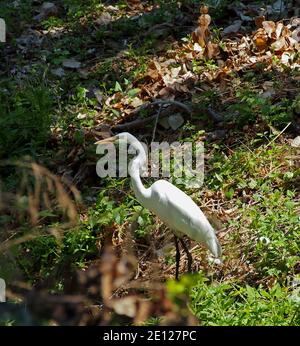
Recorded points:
(87, 336)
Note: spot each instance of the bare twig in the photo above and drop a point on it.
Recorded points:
(279, 134)
(135, 123)
(141, 122)
(156, 121)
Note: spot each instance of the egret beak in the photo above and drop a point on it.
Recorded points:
(108, 140)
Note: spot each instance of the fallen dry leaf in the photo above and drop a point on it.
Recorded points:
(202, 34)
(259, 20)
(280, 44)
(269, 28)
(212, 50)
(296, 34)
(296, 142)
(104, 19)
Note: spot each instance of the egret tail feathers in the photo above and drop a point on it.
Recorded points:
(215, 247)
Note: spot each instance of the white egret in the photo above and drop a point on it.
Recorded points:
(176, 209)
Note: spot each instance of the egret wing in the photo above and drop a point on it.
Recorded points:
(182, 214)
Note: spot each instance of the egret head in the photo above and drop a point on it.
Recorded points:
(135, 148)
(123, 138)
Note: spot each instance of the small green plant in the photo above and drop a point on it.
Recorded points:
(252, 107)
(107, 212)
(40, 257)
(52, 22)
(144, 221)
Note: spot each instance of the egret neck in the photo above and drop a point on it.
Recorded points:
(142, 194)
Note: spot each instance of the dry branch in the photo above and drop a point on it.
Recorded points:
(141, 122)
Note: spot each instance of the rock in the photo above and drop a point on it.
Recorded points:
(217, 134)
(175, 121)
(233, 28)
(71, 63)
(29, 39)
(46, 10)
(276, 8)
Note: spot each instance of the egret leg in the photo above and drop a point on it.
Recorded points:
(189, 256)
(177, 257)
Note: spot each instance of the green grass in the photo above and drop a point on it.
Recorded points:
(262, 184)
(229, 304)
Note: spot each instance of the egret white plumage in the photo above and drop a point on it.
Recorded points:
(175, 208)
